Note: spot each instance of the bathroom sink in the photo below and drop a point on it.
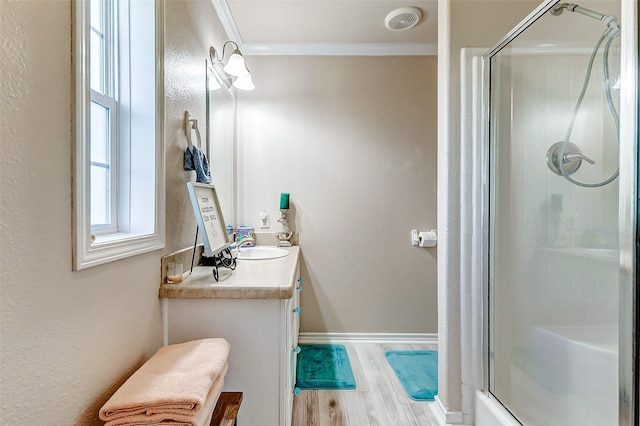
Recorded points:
(261, 253)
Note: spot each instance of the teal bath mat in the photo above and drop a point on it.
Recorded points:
(324, 367)
(417, 371)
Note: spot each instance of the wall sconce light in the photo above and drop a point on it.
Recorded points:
(235, 66)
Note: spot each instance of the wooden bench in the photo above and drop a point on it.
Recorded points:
(226, 411)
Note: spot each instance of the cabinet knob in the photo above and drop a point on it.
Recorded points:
(296, 391)
(300, 280)
(299, 288)
(297, 349)
(297, 310)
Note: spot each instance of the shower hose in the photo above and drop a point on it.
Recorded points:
(610, 34)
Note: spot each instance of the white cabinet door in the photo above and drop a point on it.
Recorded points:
(255, 331)
(291, 313)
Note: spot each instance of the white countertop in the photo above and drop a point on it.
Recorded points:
(252, 279)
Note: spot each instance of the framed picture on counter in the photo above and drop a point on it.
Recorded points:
(211, 225)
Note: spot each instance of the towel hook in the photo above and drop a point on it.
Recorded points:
(191, 124)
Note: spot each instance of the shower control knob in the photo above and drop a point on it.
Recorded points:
(571, 158)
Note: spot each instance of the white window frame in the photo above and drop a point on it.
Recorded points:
(111, 226)
(106, 97)
(139, 167)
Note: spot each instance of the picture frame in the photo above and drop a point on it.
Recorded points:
(211, 225)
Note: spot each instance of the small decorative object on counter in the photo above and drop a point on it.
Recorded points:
(174, 272)
(211, 228)
(285, 235)
(284, 201)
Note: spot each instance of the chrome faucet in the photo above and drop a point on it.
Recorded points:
(246, 241)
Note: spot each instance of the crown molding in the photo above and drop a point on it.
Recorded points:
(228, 23)
(317, 49)
(341, 49)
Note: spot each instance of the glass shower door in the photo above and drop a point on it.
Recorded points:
(553, 242)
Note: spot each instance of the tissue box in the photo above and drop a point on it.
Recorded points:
(244, 232)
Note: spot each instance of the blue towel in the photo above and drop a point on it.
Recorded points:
(197, 161)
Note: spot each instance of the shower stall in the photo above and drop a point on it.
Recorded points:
(558, 187)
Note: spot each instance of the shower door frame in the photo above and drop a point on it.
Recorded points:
(629, 235)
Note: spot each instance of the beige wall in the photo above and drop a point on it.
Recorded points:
(70, 338)
(192, 27)
(353, 140)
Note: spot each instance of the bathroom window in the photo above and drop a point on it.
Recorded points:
(119, 152)
(103, 136)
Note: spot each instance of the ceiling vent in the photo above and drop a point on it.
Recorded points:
(403, 18)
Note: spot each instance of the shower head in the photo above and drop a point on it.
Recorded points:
(558, 9)
(572, 7)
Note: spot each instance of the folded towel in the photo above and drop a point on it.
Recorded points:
(195, 159)
(176, 380)
(202, 417)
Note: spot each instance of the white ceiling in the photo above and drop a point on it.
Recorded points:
(326, 27)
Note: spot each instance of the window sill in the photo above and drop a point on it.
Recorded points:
(106, 239)
(111, 247)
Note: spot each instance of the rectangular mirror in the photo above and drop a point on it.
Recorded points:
(221, 138)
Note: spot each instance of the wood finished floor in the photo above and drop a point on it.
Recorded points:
(378, 400)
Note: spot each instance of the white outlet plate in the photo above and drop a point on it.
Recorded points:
(263, 218)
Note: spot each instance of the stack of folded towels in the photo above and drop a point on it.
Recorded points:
(178, 386)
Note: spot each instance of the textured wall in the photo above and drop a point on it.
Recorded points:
(68, 338)
(191, 28)
(353, 140)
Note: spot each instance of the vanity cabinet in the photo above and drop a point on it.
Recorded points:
(262, 329)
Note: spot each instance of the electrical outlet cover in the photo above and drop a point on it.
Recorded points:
(264, 219)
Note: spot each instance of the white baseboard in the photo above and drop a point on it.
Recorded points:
(447, 417)
(397, 338)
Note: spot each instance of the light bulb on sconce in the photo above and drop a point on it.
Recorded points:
(244, 82)
(236, 65)
(235, 68)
